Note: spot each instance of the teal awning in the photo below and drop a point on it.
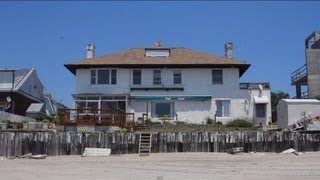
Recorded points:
(173, 98)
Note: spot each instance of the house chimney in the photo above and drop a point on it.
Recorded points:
(228, 47)
(90, 51)
(158, 44)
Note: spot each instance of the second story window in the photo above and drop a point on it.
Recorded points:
(136, 77)
(93, 77)
(177, 77)
(217, 76)
(104, 76)
(113, 76)
(156, 77)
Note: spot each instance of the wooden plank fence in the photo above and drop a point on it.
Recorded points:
(62, 143)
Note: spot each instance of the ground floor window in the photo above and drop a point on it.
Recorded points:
(260, 110)
(223, 108)
(162, 109)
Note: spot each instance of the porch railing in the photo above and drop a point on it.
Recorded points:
(299, 74)
(96, 117)
(304, 95)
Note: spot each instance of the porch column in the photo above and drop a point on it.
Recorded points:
(298, 91)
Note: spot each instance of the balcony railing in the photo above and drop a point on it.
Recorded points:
(96, 117)
(299, 74)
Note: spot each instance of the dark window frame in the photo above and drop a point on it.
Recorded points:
(155, 111)
(136, 78)
(93, 76)
(96, 79)
(157, 77)
(113, 76)
(177, 77)
(217, 76)
(225, 109)
(103, 76)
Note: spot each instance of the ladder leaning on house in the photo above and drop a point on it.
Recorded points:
(300, 124)
(145, 144)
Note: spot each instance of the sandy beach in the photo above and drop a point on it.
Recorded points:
(167, 166)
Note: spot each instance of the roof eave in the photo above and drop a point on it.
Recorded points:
(71, 68)
(242, 67)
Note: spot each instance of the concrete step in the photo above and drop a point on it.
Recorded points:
(97, 152)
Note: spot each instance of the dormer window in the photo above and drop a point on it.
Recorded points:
(157, 52)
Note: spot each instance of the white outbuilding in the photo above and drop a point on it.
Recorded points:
(289, 111)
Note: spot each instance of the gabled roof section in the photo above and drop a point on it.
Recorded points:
(6, 77)
(179, 57)
(22, 80)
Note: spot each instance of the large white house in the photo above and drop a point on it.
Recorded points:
(172, 82)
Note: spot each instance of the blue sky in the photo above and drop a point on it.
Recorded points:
(46, 35)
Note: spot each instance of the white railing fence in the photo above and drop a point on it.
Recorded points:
(14, 117)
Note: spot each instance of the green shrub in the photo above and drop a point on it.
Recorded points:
(43, 117)
(148, 122)
(121, 130)
(239, 123)
(46, 121)
(180, 122)
(209, 120)
(5, 121)
(25, 121)
(85, 132)
(57, 120)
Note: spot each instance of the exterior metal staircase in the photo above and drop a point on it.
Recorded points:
(145, 144)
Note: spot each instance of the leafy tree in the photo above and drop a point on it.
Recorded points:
(275, 98)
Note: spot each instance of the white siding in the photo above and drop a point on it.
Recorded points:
(248, 101)
(289, 112)
(33, 86)
(194, 81)
(194, 111)
(5, 80)
(199, 81)
(83, 83)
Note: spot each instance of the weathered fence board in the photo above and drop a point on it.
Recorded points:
(63, 143)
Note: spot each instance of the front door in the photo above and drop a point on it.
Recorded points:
(261, 118)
